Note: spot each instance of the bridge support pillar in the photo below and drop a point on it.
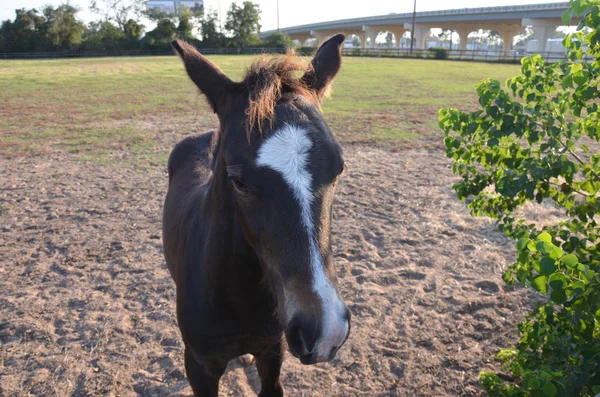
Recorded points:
(372, 34)
(542, 31)
(301, 38)
(419, 36)
(507, 37)
(320, 36)
(463, 36)
(398, 33)
(363, 39)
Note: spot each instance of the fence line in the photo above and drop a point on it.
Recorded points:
(461, 55)
(134, 53)
(458, 55)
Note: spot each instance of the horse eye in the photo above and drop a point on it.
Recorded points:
(240, 186)
(342, 168)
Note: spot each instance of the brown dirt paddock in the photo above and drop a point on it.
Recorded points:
(87, 304)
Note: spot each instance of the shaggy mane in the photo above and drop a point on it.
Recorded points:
(267, 79)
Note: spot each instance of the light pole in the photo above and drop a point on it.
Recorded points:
(278, 15)
(412, 32)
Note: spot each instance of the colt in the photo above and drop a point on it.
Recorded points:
(247, 220)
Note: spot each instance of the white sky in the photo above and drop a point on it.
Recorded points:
(297, 12)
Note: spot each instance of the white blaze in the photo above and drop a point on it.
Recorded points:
(287, 152)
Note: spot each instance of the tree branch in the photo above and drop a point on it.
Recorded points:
(579, 160)
(574, 191)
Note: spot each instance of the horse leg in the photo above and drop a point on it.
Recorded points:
(203, 377)
(268, 364)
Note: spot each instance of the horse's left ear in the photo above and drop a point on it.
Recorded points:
(325, 65)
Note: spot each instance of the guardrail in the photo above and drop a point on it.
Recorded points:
(458, 55)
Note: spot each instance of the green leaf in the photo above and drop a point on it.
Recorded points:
(596, 389)
(492, 142)
(566, 17)
(567, 82)
(569, 260)
(545, 248)
(545, 237)
(547, 266)
(579, 6)
(531, 246)
(558, 296)
(556, 252)
(585, 149)
(472, 128)
(539, 283)
(522, 244)
(550, 389)
(576, 67)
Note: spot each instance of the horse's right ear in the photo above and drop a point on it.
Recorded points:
(211, 81)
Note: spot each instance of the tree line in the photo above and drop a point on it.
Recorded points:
(120, 27)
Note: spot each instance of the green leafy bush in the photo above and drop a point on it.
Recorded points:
(307, 51)
(438, 53)
(529, 143)
(278, 40)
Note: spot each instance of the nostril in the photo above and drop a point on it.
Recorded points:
(294, 338)
(302, 335)
(347, 315)
(333, 350)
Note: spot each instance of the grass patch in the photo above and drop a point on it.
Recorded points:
(97, 108)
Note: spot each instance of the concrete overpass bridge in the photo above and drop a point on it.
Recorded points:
(508, 21)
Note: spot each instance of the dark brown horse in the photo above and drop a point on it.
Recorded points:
(247, 220)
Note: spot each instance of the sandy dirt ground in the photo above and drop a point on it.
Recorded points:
(87, 304)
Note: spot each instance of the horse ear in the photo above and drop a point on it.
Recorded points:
(325, 65)
(211, 80)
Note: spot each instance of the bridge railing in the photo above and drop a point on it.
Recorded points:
(402, 18)
(460, 55)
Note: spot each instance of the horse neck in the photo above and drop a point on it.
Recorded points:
(231, 260)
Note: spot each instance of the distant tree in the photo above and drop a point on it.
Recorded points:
(389, 37)
(185, 21)
(278, 40)
(155, 14)
(26, 33)
(109, 37)
(210, 30)
(493, 39)
(184, 27)
(63, 29)
(189, 20)
(162, 35)
(522, 38)
(244, 24)
(446, 35)
(104, 35)
(559, 33)
(119, 12)
(133, 30)
(356, 41)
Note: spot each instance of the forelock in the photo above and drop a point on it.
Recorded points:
(267, 80)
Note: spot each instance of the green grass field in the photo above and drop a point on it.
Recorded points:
(92, 107)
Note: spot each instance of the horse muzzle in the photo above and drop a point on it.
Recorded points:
(314, 341)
